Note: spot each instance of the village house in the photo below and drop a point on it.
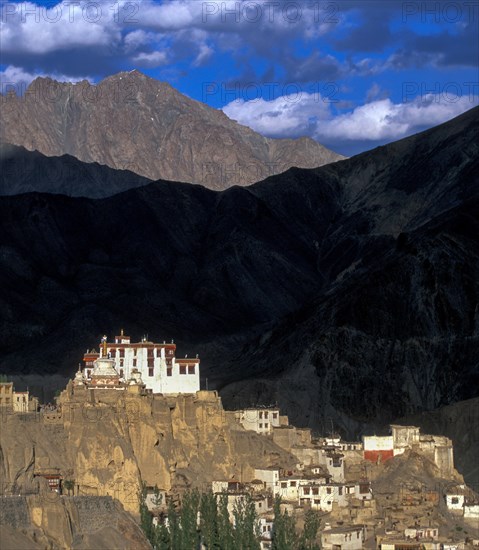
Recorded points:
(455, 499)
(16, 401)
(419, 533)
(438, 449)
(266, 531)
(261, 420)
(343, 538)
(269, 477)
(155, 364)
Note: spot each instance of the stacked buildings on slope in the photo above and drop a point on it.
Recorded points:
(334, 477)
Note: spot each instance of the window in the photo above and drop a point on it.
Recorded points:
(191, 369)
(121, 373)
(134, 362)
(317, 501)
(266, 425)
(113, 353)
(284, 485)
(340, 491)
(182, 369)
(261, 414)
(122, 362)
(261, 426)
(266, 414)
(315, 491)
(122, 352)
(170, 352)
(169, 371)
(150, 371)
(306, 490)
(328, 490)
(292, 483)
(455, 500)
(275, 415)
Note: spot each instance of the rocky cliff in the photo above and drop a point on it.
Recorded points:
(109, 442)
(132, 122)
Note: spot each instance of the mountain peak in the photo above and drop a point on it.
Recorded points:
(135, 122)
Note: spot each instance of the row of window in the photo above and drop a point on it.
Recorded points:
(152, 352)
(184, 369)
(265, 413)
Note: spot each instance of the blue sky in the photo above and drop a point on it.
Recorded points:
(350, 74)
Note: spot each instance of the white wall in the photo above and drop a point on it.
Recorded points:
(377, 443)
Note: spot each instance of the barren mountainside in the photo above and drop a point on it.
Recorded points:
(347, 293)
(132, 122)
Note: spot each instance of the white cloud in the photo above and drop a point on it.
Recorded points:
(37, 30)
(21, 78)
(382, 119)
(153, 59)
(385, 120)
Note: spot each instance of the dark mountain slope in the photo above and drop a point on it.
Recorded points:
(23, 171)
(358, 296)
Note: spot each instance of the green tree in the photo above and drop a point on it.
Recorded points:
(245, 524)
(189, 520)
(174, 527)
(146, 519)
(209, 521)
(69, 485)
(284, 535)
(225, 529)
(312, 523)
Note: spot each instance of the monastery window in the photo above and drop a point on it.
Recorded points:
(328, 490)
(266, 414)
(306, 491)
(284, 485)
(134, 362)
(150, 352)
(292, 483)
(150, 371)
(122, 352)
(266, 425)
(315, 491)
(261, 426)
(182, 369)
(275, 415)
(340, 490)
(317, 501)
(261, 414)
(121, 373)
(455, 500)
(150, 362)
(170, 352)
(169, 371)
(113, 352)
(191, 369)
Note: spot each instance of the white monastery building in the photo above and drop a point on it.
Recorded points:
(156, 365)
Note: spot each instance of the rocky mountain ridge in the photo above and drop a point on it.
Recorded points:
(348, 292)
(133, 122)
